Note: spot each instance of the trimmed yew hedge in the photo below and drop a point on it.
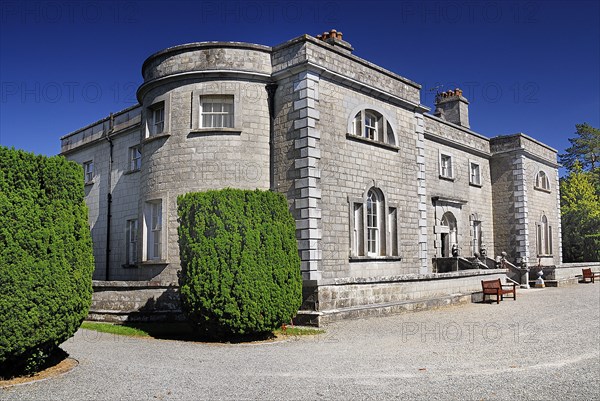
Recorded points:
(240, 265)
(46, 258)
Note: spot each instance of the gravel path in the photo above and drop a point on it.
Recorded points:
(543, 346)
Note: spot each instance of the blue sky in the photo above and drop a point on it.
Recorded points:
(525, 66)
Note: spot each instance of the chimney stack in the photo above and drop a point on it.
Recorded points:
(452, 107)
(334, 38)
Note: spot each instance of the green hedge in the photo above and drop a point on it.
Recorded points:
(240, 265)
(46, 258)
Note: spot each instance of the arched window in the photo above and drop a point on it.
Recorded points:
(374, 204)
(544, 237)
(542, 181)
(373, 125)
(374, 226)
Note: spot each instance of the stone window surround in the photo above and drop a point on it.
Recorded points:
(475, 221)
(146, 216)
(387, 120)
(163, 101)
(451, 176)
(195, 115)
(544, 243)
(478, 184)
(388, 209)
(134, 166)
(129, 232)
(545, 181)
(88, 172)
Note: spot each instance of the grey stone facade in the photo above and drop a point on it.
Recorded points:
(381, 190)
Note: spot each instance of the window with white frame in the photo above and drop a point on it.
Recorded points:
(157, 119)
(544, 237)
(446, 168)
(88, 172)
(216, 112)
(374, 230)
(476, 237)
(374, 126)
(135, 158)
(132, 235)
(374, 203)
(153, 222)
(474, 173)
(542, 181)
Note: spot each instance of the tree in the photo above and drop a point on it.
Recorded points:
(240, 269)
(580, 209)
(585, 150)
(46, 258)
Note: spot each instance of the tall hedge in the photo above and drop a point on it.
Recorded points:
(46, 258)
(240, 265)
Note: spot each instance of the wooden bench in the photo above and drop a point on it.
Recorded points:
(495, 287)
(589, 274)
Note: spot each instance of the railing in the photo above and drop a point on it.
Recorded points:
(512, 281)
(520, 275)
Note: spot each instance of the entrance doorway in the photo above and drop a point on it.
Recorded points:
(449, 238)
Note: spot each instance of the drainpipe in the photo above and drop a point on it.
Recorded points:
(271, 88)
(109, 194)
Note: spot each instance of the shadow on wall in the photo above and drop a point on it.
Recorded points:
(164, 308)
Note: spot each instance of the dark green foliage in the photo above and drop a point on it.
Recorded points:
(584, 149)
(240, 265)
(46, 259)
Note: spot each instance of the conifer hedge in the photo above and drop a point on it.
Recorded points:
(46, 258)
(240, 265)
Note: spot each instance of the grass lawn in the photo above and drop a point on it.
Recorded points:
(179, 331)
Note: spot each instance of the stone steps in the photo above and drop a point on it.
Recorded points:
(312, 318)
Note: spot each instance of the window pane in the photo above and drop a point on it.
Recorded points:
(372, 223)
(217, 113)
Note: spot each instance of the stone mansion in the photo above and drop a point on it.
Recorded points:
(392, 202)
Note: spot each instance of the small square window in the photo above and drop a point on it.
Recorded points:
(475, 173)
(135, 158)
(88, 171)
(446, 166)
(216, 112)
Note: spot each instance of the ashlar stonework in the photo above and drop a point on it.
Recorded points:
(382, 190)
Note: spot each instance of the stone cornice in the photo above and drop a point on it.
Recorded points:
(457, 145)
(206, 74)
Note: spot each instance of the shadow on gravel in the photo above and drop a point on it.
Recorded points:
(182, 331)
(20, 369)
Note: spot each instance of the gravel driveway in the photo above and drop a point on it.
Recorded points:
(543, 346)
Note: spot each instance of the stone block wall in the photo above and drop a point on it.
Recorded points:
(127, 301)
(303, 145)
(467, 201)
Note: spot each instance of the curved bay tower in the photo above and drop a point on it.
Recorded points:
(396, 208)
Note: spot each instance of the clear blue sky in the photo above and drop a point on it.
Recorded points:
(525, 66)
